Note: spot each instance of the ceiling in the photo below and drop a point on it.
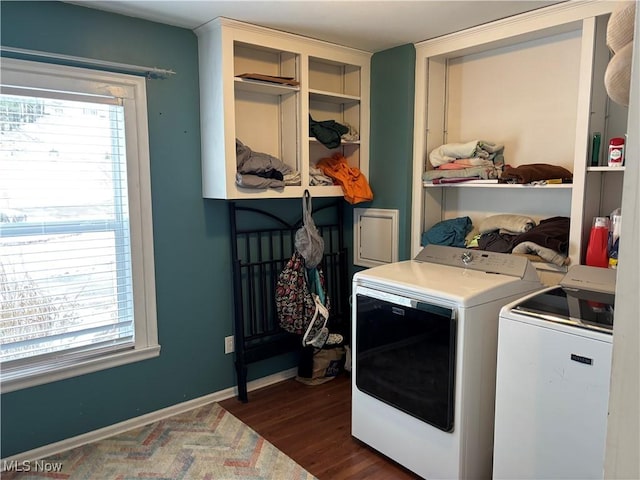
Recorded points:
(367, 25)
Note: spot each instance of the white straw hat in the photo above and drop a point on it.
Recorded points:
(620, 26)
(617, 78)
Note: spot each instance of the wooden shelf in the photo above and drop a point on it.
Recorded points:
(343, 142)
(470, 184)
(605, 169)
(256, 86)
(330, 97)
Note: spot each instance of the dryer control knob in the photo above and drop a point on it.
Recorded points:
(467, 257)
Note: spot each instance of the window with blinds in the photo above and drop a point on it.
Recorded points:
(67, 285)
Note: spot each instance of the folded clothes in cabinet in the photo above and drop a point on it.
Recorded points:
(534, 172)
(328, 132)
(480, 172)
(474, 151)
(354, 184)
(468, 180)
(261, 170)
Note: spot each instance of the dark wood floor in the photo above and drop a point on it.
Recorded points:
(312, 425)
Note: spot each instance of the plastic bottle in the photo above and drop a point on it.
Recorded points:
(595, 149)
(597, 249)
(614, 238)
(616, 152)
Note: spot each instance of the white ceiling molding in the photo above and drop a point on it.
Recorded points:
(372, 26)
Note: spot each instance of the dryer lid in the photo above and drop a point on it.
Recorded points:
(432, 282)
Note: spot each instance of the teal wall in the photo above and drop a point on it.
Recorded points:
(191, 235)
(391, 162)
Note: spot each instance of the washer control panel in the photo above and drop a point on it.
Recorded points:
(490, 262)
(466, 257)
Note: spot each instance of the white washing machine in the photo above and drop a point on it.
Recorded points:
(553, 372)
(424, 357)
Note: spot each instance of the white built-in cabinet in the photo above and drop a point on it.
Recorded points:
(533, 82)
(332, 84)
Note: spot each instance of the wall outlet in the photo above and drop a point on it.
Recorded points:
(228, 344)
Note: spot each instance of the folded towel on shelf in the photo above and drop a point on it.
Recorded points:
(248, 180)
(318, 178)
(508, 223)
(444, 181)
(466, 163)
(476, 149)
(547, 254)
(261, 170)
(482, 172)
(533, 172)
(352, 135)
(495, 241)
(550, 233)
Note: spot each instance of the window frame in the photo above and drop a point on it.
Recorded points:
(131, 92)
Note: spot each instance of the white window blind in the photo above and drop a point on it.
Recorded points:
(66, 260)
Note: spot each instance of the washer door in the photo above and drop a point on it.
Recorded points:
(405, 357)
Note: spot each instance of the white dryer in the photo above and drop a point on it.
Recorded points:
(553, 373)
(424, 357)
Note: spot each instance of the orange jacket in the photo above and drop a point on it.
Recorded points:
(353, 182)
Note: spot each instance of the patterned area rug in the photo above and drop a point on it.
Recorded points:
(206, 443)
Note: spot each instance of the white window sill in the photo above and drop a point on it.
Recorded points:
(12, 381)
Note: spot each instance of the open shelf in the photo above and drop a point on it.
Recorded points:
(355, 142)
(245, 74)
(329, 97)
(605, 169)
(470, 184)
(256, 86)
(538, 117)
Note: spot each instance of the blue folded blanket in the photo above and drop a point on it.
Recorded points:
(448, 232)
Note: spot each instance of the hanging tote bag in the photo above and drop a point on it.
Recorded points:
(296, 306)
(301, 300)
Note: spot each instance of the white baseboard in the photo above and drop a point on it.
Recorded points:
(117, 428)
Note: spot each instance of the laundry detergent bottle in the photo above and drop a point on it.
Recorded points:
(598, 247)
